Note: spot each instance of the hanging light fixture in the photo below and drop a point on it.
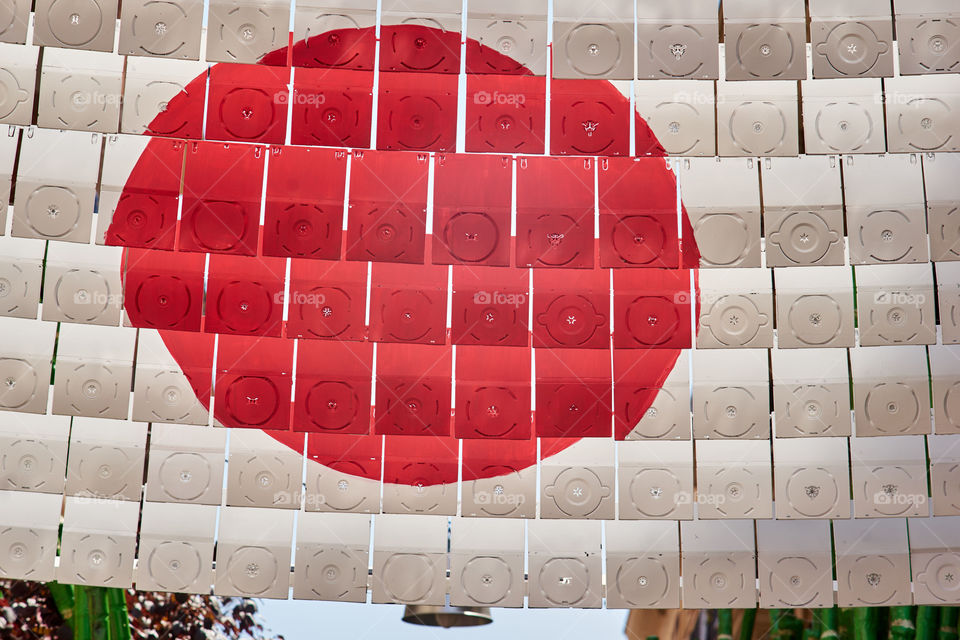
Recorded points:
(447, 616)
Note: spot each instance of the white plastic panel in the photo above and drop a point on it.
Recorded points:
(331, 557)
(718, 564)
(795, 564)
(176, 548)
(811, 478)
(97, 544)
(253, 553)
(410, 559)
(33, 452)
(186, 464)
(564, 564)
(873, 563)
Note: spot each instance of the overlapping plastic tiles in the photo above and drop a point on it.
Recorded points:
(636, 305)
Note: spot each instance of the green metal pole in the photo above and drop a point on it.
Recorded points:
(902, 626)
(724, 624)
(82, 628)
(831, 622)
(865, 623)
(118, 619)
(948, 623)
(63, 598)
(747, 624)
(847, 624)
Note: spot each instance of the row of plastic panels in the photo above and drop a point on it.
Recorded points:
(790, 307)
(619, 39)
(502, 563)
(485, 210)
(807, 478)
(476, 391)
(91, 91)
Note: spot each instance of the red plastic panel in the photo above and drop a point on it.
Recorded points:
(253, 381)
(337, 49)
(493, 393)
(163, 293)
(506, 114)
(588, 118)
(417, 112)
(327, 300)
(555, 213)
(248, 102)
(490, 458)
(332, 107)
(245, 296)
(571, 308)
(388, 207)
(574, 393)
(408, 303)
(333, 399)
(183, 117)
(414, 47)
(637, 233)
(222, 186)
(471, 209)
(651, 308)
(350, 454)
(637, 378)
(413, 390)
(304, 215)
(146, 214)
(490, 306)
(420, 460)
(197, 363)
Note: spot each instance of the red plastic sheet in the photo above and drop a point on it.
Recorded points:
(588, 118)
(414, 47)
(490, 306)
(333, 387)
(332, 107)
(413, 390)
(222, 186)
(351, 454)
(337, 49)
(163, 293)
(417, 112)
(388, 207)
(637, 232)
(303, 216)
(571, 308)
(651, 308)
(248, 102)
(555, 212)
(327, 300)
(637, 378)
(245, 296)
(574, 393)
(471, 209)
(420, 460)
(493, 393)
(490, 458)
(146, 214)
(506, 114)
(408, 303)
(253, 381)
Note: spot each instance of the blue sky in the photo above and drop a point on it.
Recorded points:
(308, 620)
